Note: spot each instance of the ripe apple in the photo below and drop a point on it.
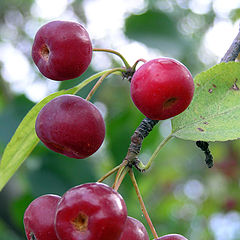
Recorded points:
(62, 50)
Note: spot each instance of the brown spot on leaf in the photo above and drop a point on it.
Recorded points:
(200, 129)
(214, 85)
(198, 84)
(235, 86)
(202, 117)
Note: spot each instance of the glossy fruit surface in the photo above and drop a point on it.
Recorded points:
(172, 237)
(62, 50)
(134, 230)
(70, 125)
(162, 88)
(91, 211)
(39, 218)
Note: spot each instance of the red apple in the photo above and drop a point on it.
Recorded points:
(91, 211)
(162, 88)
(39, 218)
(134, 230)
(62, 50)
(70, 125)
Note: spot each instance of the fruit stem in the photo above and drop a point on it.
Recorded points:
(120, 170)
(113, 52)
(88, 80)
(143, 208)
(143, 167)
(136, 63)
(121, 177)
(98, 83)
(108, 174)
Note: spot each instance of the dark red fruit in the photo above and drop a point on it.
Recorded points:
(92, 211)
(62, 50)
(134, 230)
(39, 218)
(71, 125)
(172, 237)
(162, 88)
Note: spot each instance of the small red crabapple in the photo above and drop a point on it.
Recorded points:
(62, 50)
(70, 125)
(134, 230)
(162, 88)
(39, 218)
(91, 211)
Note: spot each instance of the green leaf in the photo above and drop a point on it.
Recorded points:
(156, 29)
(25, 139)
(235, 15)
(214, 112)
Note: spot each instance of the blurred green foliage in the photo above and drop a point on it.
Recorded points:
(181, 194)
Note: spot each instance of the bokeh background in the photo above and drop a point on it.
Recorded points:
(181, 194)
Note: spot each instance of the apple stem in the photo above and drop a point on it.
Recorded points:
(120, 170)
(136, 63)
(113, 52)
(126, 169)
(98, 83)
(140, 166)
(143, 208)
(108, 174)
(89, 80)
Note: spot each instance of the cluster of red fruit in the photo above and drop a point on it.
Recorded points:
(160, 88)
(92, 211)
(71, 125)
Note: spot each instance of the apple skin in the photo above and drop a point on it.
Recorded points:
(91, 211)
(162, 88)
(71, 125)
(134, 230)
(62, 50)
(39, 218)
(172, 237)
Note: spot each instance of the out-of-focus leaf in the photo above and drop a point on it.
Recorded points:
(235, 14)
(214, 112)
(155, 29)
(7, 233)
(18, 207)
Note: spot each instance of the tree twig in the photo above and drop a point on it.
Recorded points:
(140, 133)
(233, 50)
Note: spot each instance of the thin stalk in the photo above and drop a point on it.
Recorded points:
(108, 174)
(144, 210)
(121, 177)
(113, 52)
(90, 79)
(98, 83)
(143, 167)
(136, 63)
(120, 170)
